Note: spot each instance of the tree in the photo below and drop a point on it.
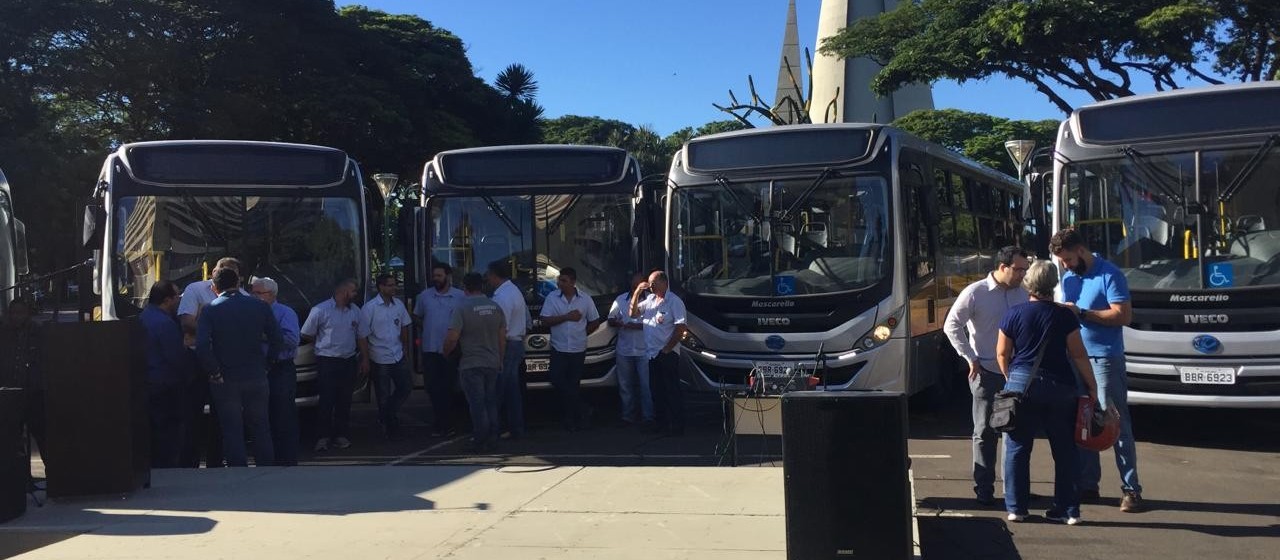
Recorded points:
(520, 90)
(1104, 48)
(516, 82)
(976, 135)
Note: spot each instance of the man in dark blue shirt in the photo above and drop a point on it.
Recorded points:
(229, 337)
(168, 367)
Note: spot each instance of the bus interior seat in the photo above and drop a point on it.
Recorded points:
(1251, 223)
(815, 233)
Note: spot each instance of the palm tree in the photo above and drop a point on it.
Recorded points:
(516, 83)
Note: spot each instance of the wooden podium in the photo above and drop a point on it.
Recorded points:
(95, 407)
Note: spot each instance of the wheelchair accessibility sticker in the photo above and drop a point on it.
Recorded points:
(784, 285)
(1221, 275)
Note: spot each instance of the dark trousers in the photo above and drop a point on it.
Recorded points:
(166, 407)
(336, 379)
(393, 383)
(35, 418)
(241, 404)
(204, 437)
(566, 376)
(511, 388)
(282, 411)
(668, 396)
(441, 379)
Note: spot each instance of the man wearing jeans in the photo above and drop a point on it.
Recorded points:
(571, 315)
(631, 365)
(1098, 293)
(973, 326)
(663, 315)
(229, 335)
(332, 325)
(282, 376)
(384, 343)
(479, 326)
(510, 385)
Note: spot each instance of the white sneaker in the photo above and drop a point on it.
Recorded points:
(322, 444)
(1074, 521)
(1016, 518)
(341, 442)
(1057, 517)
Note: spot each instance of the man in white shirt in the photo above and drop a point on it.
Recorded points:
(663, 315)
(510, 385)
(973, 326)
(630, 362)
(433, 309)
(571, 315)
(332, 325)
(384, 344)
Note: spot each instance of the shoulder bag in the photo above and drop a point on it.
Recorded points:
(1004, 409)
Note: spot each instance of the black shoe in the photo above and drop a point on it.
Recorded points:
(986, 501)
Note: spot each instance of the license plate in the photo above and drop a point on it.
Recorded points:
(775, 369)
(537, 364)
(1209, 375)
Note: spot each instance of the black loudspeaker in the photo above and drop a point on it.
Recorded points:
(15, 465)
(95, 408)
(844, 462)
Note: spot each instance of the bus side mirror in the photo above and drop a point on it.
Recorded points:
(20, 263)
(94, 216)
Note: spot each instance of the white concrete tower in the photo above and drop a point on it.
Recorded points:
(856, 102)
(789, 68)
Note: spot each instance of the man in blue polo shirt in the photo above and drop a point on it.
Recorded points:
(1098, 293)
(168, 367)
(229, 335)
(571, 315)
(433, 310)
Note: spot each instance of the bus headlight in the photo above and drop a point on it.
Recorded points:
(690, 341)
(881, 333)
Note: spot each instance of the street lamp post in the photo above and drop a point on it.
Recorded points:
(386, 185)
(1020, 152)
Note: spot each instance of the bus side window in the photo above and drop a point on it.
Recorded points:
(920, 244)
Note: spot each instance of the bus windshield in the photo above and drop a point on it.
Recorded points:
(538, 236)
(1144, 214)
(781, 237)
(304, 244)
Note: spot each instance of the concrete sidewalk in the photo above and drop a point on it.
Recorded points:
(422, 512)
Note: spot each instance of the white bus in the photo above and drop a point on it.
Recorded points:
(170, 209)
(13, 248)
(847, 240)
(537, 209)
(1179, 190)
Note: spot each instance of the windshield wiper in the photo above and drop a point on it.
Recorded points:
(501, 214)
(1249, 168)
(808, 192)
(564, 214)
(751, 213)
(206, 221)
(1150, 173)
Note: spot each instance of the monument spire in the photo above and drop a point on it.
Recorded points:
(790, 79)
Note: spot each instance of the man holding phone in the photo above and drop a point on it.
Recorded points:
(663, 315)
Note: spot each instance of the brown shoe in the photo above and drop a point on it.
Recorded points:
(1132, 503)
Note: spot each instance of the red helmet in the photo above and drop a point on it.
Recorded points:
(1096, 429)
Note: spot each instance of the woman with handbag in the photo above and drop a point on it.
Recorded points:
(1038, 342)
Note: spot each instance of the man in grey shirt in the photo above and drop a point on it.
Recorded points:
(480, 328)
(978, 310)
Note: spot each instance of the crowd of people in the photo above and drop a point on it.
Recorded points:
(232, 350)
(1016, 336)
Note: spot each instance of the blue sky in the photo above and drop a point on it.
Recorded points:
(661, 62)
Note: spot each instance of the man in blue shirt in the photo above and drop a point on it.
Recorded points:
(1097, 292)
(384, 343)
(282, 376)
(432, 310)
(332, 326)
(229, 335)
(167, 371)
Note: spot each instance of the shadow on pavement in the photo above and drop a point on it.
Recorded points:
(944, 538)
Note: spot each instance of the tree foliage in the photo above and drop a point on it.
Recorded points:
(650, 149)
(976, 135)
(1105, 48)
